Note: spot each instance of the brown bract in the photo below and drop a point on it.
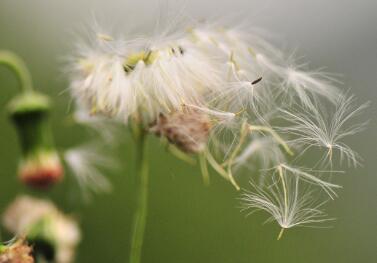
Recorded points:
(187, 129)
(19, 252)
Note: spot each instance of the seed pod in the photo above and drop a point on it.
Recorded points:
(187, 129)
(40, 165)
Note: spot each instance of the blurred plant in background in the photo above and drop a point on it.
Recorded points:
(52, 236)
(40, 165)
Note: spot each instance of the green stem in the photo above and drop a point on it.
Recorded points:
(140, 216)
(17, 65)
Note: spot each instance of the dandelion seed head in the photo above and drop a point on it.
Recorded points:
(150, 81)
(204, 66)
(219, 92)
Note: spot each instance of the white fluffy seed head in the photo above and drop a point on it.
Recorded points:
(144, 82)
(225, 77)
(207, 65)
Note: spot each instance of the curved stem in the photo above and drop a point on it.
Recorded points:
(234, 155)
(140, 216)
(17, 65)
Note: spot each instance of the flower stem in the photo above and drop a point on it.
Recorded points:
(140, 216)
(17, 65)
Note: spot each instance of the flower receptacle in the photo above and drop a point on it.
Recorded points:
(41, 169)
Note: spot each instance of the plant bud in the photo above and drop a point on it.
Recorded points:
(53, 235)
(40, 165)
(17, 252)
(187, 129)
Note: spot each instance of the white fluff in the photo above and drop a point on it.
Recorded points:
(85, 162)
(206, 66)
(307, 175)
(263, 150)
(106, 129)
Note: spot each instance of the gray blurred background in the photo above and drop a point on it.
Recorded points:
(189, 222)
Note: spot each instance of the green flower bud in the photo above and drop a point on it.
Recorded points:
(40, 165)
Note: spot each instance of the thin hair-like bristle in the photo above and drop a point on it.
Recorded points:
(287, 200)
